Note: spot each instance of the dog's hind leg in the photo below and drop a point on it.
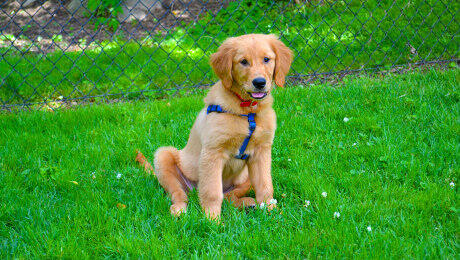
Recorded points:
(166, 169)
(237, 195)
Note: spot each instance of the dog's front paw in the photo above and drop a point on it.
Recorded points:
(178, 208)
(213, 213)
(247, 202)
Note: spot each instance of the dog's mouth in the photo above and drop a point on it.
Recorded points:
(257, 95)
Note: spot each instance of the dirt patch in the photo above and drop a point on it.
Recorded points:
(336, 77)
(47, 26)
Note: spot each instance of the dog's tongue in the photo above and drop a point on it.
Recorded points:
(257, 94)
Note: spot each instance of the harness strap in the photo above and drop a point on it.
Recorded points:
(252, 126)
(215, 108)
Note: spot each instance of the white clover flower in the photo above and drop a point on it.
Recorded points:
(346, 119)
(273, 201)
(93, 175)
(324, 194)
(262, 205)
(354, 144)
(452, 184)
(369, 228)
(307, 203)
(336, 214)
(289, 159)
(119, 176)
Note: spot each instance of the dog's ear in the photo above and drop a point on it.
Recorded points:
(222, 63)
(283, 60)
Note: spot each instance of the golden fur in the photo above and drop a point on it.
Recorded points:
(208, 157)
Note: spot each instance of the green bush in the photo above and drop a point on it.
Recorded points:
(106, 12)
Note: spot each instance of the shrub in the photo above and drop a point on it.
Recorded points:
(106, 12)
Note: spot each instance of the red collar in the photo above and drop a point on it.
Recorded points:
(245, 103)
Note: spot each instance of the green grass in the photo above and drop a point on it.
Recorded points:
(325, 37)
(388, 167)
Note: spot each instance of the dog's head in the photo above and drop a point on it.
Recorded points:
(249, 64)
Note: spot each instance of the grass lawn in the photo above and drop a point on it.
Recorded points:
(327, 37)
(388, 168)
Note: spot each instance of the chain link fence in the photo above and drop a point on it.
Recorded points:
(64, 53)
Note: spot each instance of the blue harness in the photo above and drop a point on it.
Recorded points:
(252, 126)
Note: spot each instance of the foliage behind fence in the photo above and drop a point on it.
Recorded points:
(58, 53)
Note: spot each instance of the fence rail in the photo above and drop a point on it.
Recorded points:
(63, 53)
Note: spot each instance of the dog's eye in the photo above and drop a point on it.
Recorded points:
(266, 59)
(244, 62)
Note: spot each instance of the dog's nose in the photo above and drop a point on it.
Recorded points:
(259, 83)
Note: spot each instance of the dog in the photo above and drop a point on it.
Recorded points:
(229, 147)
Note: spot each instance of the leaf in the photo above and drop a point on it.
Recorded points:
(121, 206)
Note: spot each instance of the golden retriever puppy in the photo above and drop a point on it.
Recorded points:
(229, 147)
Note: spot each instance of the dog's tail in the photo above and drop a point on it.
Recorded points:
(140, 158)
